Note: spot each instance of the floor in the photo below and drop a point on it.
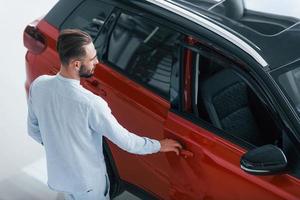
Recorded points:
(30, 184)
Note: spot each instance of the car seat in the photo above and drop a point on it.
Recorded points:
(226, 98)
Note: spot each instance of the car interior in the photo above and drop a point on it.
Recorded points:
(225, 100)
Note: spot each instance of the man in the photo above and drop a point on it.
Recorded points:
(70, 122)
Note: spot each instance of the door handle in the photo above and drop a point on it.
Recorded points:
(183, 152)
(186, 154)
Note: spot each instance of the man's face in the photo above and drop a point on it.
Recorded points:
(88, 64)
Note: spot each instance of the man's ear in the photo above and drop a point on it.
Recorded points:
(76, 64)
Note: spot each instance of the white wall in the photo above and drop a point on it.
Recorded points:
(16, 148)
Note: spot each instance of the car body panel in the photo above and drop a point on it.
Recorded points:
(141, 113)
(214, 170)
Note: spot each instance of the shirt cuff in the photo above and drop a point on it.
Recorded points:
(156, 146)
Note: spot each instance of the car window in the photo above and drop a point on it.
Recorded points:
(144, 51)
(290, 82)
(89, 17)
(221, 97)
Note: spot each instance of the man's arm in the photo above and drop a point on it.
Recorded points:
(32, 122)
(103, 120)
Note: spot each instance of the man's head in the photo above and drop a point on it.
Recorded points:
(77, 52)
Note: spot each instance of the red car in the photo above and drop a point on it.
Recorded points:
(218, 76)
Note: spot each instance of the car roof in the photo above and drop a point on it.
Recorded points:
(271, 50)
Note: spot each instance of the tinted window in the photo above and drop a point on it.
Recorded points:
(290, 81)
(222, 97)
(89, 17)
(144, 51)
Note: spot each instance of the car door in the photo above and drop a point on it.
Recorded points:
(210, 168)
(135, 73)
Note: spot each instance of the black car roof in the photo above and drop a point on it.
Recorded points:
(272, 50)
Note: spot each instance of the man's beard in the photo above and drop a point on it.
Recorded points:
(85, 74)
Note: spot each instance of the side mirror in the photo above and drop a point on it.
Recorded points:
(264, 160)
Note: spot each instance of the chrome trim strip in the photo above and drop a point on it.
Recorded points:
(253, 170)
(200, 19)
(283, 154)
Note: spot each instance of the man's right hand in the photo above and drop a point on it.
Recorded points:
(168, 145)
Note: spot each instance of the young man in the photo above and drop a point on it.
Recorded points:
(70, 122)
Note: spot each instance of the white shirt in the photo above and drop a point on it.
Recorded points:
(70, 122)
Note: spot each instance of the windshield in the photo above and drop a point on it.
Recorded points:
(266, 17)
(271, 27)
(289, 80)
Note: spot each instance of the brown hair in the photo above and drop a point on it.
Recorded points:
(70, 44)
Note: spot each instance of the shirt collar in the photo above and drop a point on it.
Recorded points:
(68, 80)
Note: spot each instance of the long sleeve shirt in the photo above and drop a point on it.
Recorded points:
(70, 122)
